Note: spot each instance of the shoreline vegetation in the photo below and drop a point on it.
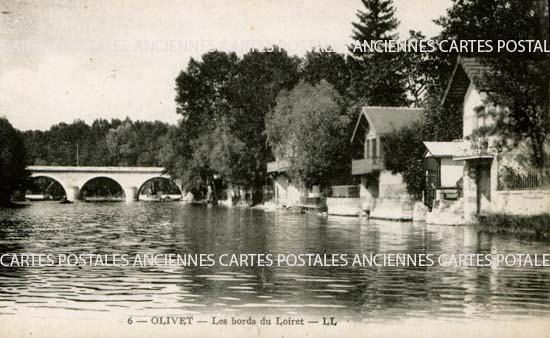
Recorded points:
(534, 227)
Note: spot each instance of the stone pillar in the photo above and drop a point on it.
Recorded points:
(130, 193)
(363, 192)
(470, 191)
(72, 193)
(365, 195)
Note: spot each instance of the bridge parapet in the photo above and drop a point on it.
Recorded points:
(47, 168)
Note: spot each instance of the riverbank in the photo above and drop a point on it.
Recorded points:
(537, 226)
(534, 227)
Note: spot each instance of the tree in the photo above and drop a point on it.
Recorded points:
(260, 77)
(332, 67)
(13, 174)
(441, 123)
(425, 74)
(203, 102)
(519, 106)
(121, 143)
(310, 120)
(493, 20)
(377, 77)
(378, 22)
(202, 90)
(406, 149)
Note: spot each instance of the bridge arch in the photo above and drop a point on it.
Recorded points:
(172, 187)
(101, 186)
(53, 178)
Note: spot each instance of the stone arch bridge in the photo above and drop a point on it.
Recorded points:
(72, 179)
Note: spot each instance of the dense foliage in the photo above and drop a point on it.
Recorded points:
(406, 149)
(104, 143)
(309, 122)
(12, 161)
(223, 100)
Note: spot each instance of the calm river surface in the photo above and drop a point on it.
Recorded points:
(353, 292)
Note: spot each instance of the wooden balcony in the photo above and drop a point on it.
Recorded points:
(367, 165)
(280, 165)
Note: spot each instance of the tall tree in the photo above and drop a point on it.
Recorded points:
(202, 89)
(376, 76)
(260, 78)
(202, 101)
(377, 22)
(13, 174)
(311, 121)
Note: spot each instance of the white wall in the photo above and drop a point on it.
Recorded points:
(521, 202)
(451, 171)
(289, 192)
(393, 200)
(392, 185)
(472, 100)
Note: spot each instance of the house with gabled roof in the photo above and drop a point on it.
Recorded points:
(382, 193)
(494, 181)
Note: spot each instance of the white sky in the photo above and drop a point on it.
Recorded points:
(66, 59)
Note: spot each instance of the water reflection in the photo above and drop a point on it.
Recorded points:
(362, 293)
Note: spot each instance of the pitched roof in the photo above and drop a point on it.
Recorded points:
(387, 119)
(441, 149)
(466, 71)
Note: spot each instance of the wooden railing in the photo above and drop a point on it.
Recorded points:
(367, 165)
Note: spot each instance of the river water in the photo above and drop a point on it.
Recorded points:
(352, 292)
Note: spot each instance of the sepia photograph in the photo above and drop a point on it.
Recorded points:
(262, 168)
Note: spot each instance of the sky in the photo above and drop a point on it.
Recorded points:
(62, 60)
